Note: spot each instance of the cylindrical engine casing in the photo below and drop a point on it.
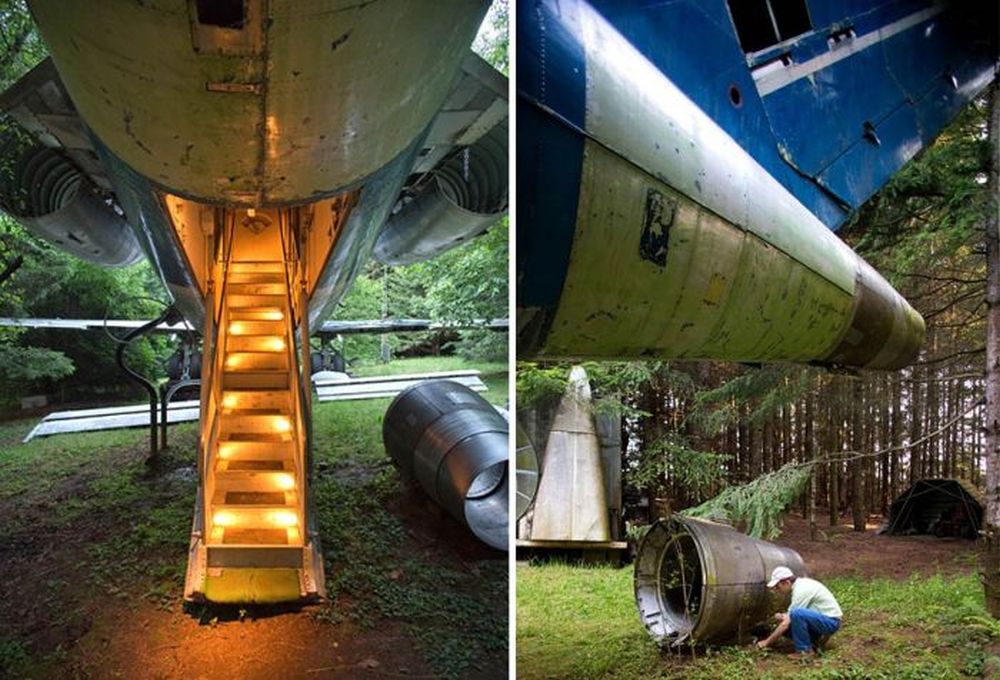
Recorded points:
(467, 193)
(732, 572)
(455, 444)
(51, 198)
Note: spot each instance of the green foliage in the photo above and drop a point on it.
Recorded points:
(27, 365)
(22, 48)
(51, 283)
(697, 471)
(466, 284)
(758, 505)
(492, 41)
(13, 657)
(767, 389)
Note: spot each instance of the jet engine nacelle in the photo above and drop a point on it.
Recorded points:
(463, 196)
(46, 193)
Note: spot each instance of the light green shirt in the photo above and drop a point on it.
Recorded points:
(810, 594)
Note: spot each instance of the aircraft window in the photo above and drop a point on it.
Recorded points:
(762, 23)
(222, 13)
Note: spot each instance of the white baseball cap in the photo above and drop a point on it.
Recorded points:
(779, 574)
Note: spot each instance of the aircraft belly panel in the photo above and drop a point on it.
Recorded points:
(652, 273)
(301, 102)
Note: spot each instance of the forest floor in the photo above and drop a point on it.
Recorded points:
(93, 545)
(913, 609)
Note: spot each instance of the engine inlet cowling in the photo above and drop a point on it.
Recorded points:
(46, 193)
(465, 195)
(455, 444)
(705, 582)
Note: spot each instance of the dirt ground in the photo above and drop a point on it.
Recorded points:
(841, 551)
(117, 613)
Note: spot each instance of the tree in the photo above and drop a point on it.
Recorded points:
(991, 531)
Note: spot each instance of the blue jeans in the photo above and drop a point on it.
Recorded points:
(807, 626)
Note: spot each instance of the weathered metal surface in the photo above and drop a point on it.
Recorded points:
(44, 191)
(913, 60)
(115, 417)
(147, 215)
(463, 197)
(286, 106)
(333, 327)
(358, 234)
(571, 504)
(340, 387)
(609, 434)
(706, 582)
(681, 245)
(112, 418)
(455, 444)
(526, 467)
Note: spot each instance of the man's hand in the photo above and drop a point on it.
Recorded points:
(762, 644)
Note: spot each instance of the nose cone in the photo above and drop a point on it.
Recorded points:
(885, 332)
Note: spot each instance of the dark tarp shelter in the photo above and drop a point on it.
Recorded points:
(943, 507)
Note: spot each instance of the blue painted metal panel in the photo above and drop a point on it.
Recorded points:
(551, 106)
(808, 134)
(900, 85)
(695, 45)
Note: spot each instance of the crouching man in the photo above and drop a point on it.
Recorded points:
(813, 614)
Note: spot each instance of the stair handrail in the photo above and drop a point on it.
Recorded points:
(302, 422)
(215, 337)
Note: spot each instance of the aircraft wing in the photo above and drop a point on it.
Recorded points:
(327, 328)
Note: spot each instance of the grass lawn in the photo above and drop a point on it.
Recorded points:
(93, 539)
(580, 622)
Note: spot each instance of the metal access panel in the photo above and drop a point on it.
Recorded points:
(112, 418)
(334, 388)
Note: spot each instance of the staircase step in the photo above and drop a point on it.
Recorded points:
(254, 480)
(269, 266)
(237, 536)
(253, 327)
(255, 277)
(273, 428)
(261, 313)
(255, 288)
(254, 516)
(241, 498)
(236, 301)
(256, 343)
(280, 400)
(262, 438)
(225, 466)
(256, 361)
(236, 453)
(255, 380)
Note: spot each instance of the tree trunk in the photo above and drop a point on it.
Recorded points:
(991, 530)
(894, 438)
(856, 464)
(808, 453)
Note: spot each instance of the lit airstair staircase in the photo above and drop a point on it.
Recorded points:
(252, 541)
